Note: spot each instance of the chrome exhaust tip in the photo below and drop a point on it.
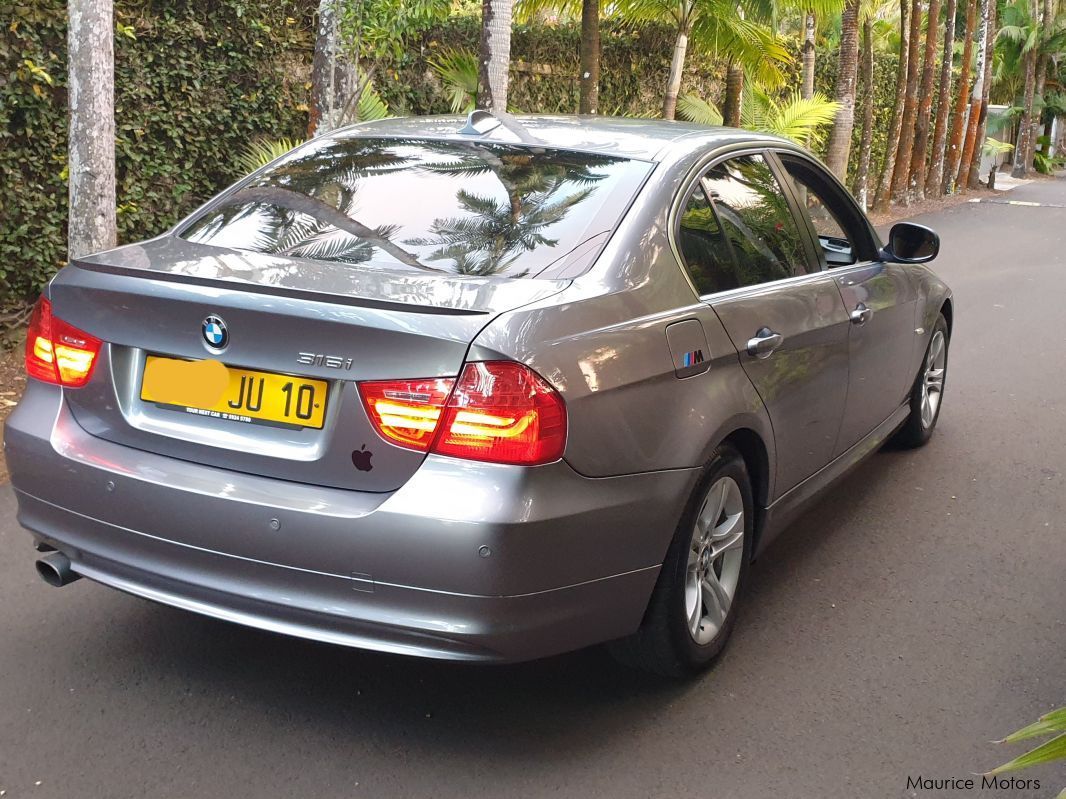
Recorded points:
(55, 570)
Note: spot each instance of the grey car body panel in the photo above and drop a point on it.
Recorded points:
(432, 555)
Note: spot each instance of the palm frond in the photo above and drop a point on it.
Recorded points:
(692, 108)
(371, 106)
(803, 120)
(262, 151)
(458, 71)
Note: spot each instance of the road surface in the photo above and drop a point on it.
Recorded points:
(914, 615)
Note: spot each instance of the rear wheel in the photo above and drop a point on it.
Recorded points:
(927, 391)
(693, 608)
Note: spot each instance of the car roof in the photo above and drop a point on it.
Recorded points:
(644, 139)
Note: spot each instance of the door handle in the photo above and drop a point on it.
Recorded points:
(861, 315)
(764, 343)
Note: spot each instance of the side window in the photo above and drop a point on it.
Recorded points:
(705, 251)
(842, 234)
(756, 220)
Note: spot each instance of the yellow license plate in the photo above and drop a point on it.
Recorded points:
(209, 388)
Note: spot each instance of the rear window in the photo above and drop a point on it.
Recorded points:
(454, 207)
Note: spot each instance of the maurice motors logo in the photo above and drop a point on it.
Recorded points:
(974, 782)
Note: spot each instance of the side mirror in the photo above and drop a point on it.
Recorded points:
(911, 244)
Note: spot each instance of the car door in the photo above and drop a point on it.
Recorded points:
(748, 259)
(879, 298)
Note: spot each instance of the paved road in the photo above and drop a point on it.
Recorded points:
(910, 618)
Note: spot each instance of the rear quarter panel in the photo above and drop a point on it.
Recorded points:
(602, 343)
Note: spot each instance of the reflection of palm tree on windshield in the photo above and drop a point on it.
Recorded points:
(493, 234)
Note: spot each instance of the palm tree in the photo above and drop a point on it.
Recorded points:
(973, 174)
(901, 172)
(1024, 148)
(860, 187)
(958, 118)
(494, 54)
(91, 80)
(974, 119)
(884, 187)
(812, 11)
(934, 179)
(916, 179)
(847, 76)
(720, 26)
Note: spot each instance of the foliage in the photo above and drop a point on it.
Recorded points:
(994, 147)
(262, 151)
(1052, 724)
(195, 82)
(458, 71)
(695, 109)
(795, 118)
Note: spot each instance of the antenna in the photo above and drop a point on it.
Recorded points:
(479, 122)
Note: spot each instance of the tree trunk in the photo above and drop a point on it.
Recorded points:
(973, 178)
(734, 89)
(1042, 64)
(901, 172)
(839, 147)
(935, 179)
(333, 77)
(807, 88)
(884, 194)
(589, 83)
(91, 95)
(677, 68)
(862, 178)
(916, 181)
(958, 119)
(495, 54)
(1023, 149)
(974, 119)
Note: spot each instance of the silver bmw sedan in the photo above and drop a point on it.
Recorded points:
(485, 389)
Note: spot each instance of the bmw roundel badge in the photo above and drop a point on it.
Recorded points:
(215, 334)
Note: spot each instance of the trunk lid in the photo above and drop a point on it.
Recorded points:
(285, 316)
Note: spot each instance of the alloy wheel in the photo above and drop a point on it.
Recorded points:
(716, 553)
(933, 378)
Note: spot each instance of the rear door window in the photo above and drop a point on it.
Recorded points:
(453, 207)
(756, 220)
(707, 255)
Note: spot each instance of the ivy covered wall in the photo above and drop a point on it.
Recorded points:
(194, 82)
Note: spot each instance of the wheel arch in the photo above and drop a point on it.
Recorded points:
(756, 457)
(948, 310)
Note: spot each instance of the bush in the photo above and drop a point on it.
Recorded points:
(194, 83)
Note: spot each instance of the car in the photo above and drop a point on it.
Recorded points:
(484, 389)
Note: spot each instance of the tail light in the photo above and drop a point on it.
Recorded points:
(57, 352)
(406, 412)
(497, 411)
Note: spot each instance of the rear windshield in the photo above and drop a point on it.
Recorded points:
(454, 207)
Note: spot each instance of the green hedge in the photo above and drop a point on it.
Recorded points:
(194, 81)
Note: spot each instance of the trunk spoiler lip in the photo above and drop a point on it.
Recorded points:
(278, 291)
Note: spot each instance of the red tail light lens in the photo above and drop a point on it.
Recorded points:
(503, 412)
(406, 412)
(57, 352)
(498, 411)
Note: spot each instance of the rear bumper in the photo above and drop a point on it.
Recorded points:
(570, 561)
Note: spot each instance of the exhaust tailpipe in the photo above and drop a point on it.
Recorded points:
(55, 570)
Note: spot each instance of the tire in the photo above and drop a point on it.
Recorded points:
(672, 641)
(931, 379)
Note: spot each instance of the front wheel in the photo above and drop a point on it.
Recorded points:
(693, 608)
(927, 392)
